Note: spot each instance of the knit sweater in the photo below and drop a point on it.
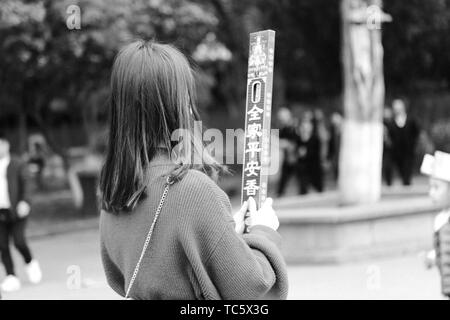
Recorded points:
(195, 252)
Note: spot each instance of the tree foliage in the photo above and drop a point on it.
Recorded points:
(44, 66)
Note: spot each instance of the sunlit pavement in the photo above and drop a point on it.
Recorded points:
(393, 278)
(71, 266)
(72, 270)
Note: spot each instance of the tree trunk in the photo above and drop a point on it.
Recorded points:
(234, 36)
(362, 133)
(23, 130)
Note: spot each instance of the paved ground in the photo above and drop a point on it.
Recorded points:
(71, 266)
(398, 278)
(73, 271)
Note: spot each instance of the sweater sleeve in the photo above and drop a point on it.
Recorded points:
(246, 267)
(249, 266)
(113, 275)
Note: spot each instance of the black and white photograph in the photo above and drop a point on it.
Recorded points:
(224, 150)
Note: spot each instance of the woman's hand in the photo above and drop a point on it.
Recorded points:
(249, 216)
(23, 209)
(239, 218)
(265, 216)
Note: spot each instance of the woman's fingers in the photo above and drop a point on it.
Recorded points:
(248, 221)
(243, 209)
(248, 215)
(239, 218)
(268, 203)
(251, 205)
(264, 216)
(239, 215)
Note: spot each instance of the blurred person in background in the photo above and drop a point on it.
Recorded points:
(404, 133)
(288, 144)
(37, 160)
(321, 131)
(334, 143)
(14, 210)
(387, 146)
(309, 169)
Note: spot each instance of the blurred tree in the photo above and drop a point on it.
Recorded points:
(307, 47)
(363, 101)
(416, 45)
(42, 60)
(39, 55)
(15, 57)
(308, 65)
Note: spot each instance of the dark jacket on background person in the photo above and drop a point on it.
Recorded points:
(334, 145)
(403, 140)
(289, 134)
(195, 252)
(311, 147)
(403, 147)
(309, 168)
(17, 186)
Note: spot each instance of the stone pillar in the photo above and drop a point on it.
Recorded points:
(363, 99)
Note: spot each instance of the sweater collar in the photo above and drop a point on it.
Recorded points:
(162, 158)
(160, 165)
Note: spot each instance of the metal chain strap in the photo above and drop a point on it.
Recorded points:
(149, 236)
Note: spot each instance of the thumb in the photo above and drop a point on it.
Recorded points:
(242, 211)
(251, 205)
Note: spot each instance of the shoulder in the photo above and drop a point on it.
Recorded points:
(197, 181)
(201, 194)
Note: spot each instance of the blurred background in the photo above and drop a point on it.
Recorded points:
(55, 62)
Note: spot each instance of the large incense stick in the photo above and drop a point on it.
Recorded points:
(257, 116)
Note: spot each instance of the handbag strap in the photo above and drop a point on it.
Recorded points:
(149, 235)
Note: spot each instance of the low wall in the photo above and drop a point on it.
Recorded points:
(317, 230)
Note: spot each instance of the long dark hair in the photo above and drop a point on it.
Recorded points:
(152, 95)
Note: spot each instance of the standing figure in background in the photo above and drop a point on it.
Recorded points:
(321, 131)
(404, 133)
(334, 143)
(37, 159)
(14, 210)
(387, 146)
(288, 144)
(437, 167)
(309, 169)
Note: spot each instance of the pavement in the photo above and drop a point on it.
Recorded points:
(71, 268)
(72, 271)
